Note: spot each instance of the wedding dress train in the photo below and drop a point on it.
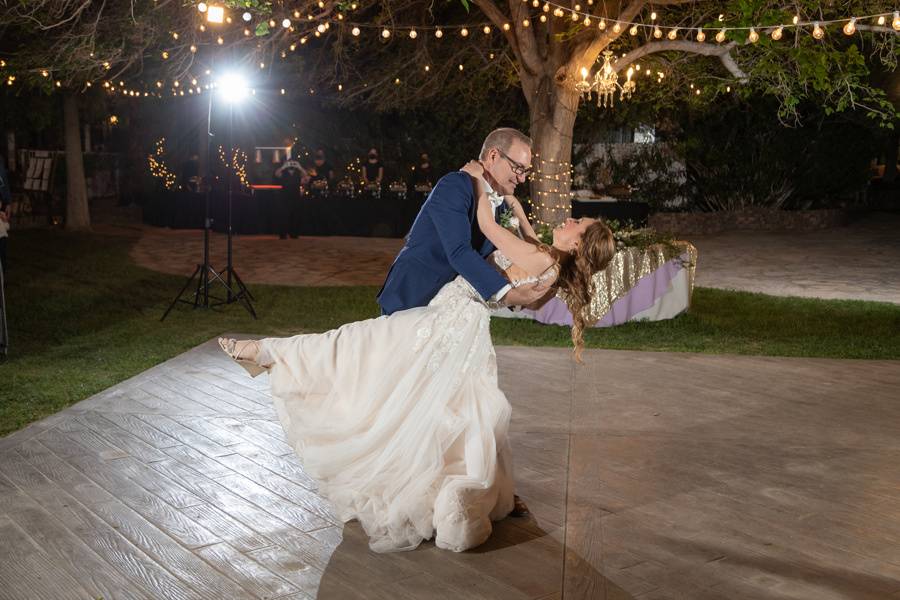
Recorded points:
(401, 421)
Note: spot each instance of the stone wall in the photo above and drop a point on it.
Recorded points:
(753, 219)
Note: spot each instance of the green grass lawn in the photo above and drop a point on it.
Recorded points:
(83, 317)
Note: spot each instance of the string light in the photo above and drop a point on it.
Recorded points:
(753, 36)
(818, 32)
(700, 37)
(158, 168)
(720, 36)
(850, 27)
(777, 33)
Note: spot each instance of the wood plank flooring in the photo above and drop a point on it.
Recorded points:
(649, 475)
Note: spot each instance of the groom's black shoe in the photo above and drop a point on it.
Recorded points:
(520, 509)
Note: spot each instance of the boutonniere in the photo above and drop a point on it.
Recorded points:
(509, 221)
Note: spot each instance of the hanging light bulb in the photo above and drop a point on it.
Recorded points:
(413, 34)
(896, 22)
(355, 31)
(617, 27)
(881, 20)
(202, 7)
(777, 33)
(487, 30)
(587, 21)
(601, 25)
(525, 23)
(385, 33)
(246, 16)
(850, 27)
(701, 37)
(720, 37)
(438, 33)
(193, 48)
(321, 28)
(653, 16)
(286, 23)
(657, 32)
(633, 30)
(796, 19)
(506, 27)
(673, 33)
(464, 32)
(818, 32)
(753, 36)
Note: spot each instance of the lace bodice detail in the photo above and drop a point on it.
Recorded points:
(518, 276)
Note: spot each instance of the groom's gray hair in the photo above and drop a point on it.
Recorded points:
(503, 139)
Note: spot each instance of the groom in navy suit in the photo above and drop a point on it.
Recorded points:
(445, 240)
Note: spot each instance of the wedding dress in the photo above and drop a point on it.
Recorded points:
(401, 421)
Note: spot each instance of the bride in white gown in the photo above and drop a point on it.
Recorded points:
(400, 418)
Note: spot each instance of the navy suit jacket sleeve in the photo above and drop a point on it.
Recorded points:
(450, 209)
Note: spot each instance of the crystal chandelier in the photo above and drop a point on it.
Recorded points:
(605, 83)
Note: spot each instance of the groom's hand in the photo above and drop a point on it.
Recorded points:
(524, 295)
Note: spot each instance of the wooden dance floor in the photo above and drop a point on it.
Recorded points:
(649, 475)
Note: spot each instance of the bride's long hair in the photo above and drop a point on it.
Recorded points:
(576, 271)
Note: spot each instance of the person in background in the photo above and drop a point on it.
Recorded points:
(423, 174)
(321, 169)
(5, 206)
(291, 175)
(190, 173)
(373, 169)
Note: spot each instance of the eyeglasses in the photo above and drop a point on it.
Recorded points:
(517, 168)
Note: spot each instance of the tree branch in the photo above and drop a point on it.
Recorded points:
(723, 52)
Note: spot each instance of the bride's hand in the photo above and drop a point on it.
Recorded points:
(474, 168)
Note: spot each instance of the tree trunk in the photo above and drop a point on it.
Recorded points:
(77, 212)
(552, 110)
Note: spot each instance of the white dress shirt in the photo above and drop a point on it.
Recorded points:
(496, 202)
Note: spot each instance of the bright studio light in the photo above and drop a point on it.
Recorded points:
(233, 87)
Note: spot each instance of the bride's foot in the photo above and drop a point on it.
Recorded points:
(244, 353)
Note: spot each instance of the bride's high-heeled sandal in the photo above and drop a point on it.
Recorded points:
(235, 349)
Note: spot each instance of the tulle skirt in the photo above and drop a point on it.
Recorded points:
(401, 421)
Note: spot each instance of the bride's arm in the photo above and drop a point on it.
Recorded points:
(521, 253)
(519, 213)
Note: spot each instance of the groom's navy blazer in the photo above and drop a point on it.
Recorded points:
(444, 242)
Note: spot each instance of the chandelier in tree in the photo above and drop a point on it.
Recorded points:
(605, 83)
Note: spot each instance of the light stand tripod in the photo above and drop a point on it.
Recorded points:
(204, 273)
